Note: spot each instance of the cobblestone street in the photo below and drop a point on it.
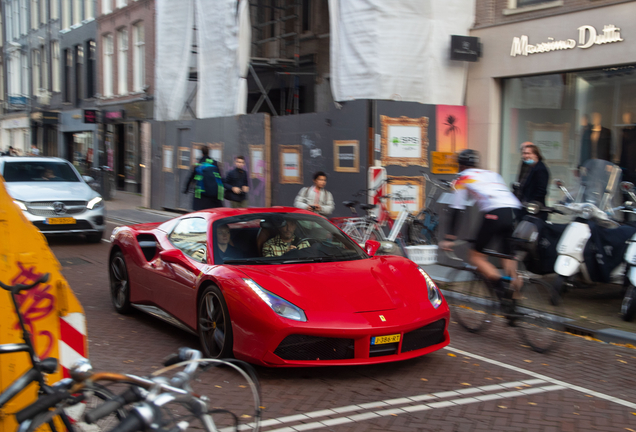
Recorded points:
(481, 382)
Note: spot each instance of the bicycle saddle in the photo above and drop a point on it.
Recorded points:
(350, 203)
(367, 206)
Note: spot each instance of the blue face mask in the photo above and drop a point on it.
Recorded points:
(528, 161)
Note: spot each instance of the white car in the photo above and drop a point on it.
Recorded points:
(54, 196)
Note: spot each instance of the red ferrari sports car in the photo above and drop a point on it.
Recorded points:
(277, 287)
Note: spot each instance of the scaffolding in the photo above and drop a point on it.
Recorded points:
(276, 30)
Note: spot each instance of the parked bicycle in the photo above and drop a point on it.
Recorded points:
(71, 419)
(534, 309)
(423, 228)
(160, 402)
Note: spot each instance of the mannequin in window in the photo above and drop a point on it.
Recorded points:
(628, 148)
(600, 141)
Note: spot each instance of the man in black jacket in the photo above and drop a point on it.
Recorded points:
(236, 184)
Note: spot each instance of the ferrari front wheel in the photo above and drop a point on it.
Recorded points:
(215, 327)
(119, 284)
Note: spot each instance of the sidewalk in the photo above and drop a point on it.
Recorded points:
(592, 312)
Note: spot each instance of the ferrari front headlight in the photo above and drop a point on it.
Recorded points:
(434, 294)
(279, 305)
(20, 204)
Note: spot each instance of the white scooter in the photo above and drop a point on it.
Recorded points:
(628, 307)
(593, 217)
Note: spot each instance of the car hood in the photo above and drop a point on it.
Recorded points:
(368, 285)
(54, 191)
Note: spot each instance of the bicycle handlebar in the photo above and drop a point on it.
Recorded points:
(130, 395)
(15, 289)
(43, 403)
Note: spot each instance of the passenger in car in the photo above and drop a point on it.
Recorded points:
(223, 247)
(284, 241)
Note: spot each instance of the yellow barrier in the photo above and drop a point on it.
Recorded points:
(52, 313)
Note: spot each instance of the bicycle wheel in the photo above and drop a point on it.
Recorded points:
(94, 396)
(363, 231)
(538, 318)
(473, 300)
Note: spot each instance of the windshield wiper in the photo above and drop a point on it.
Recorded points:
(246, 261)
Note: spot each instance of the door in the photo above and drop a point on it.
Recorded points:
(174, 280)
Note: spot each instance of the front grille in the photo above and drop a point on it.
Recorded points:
(423, 337)
(45, 208)
(383, 349)
(303, 347)
(80, 225)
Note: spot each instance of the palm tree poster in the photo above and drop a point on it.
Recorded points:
(451, 128)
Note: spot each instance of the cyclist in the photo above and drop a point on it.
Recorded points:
(497, 205)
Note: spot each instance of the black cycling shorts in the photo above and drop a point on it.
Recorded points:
(497, 224)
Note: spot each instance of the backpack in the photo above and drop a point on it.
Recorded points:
(209, 183)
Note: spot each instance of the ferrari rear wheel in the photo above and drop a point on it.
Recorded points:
(215, 327)
(119, 285)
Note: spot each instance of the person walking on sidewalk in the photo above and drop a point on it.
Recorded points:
(316, 198)
(236, 184)
(209, 189)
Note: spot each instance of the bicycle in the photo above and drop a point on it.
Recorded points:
(157, 403)
(41, 368)
(423, 227)
(534, 309)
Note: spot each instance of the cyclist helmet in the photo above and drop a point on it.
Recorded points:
(468, 158)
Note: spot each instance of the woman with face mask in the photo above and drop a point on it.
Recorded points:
(534, 186)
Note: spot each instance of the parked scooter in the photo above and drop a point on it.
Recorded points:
(628, 307)
(593, 245)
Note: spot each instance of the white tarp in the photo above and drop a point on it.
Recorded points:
(174, 46)
(223, 53)
(218, 34)
(398, 49)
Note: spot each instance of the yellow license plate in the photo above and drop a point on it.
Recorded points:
(60, 221)
(379, 340)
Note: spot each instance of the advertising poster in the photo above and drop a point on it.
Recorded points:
(452, 128)
(404, 141)
(406, 191)
(291, 159)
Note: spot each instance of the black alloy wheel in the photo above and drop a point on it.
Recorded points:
(119, 285)
(215, 326)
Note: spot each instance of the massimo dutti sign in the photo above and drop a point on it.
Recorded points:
(588, 37)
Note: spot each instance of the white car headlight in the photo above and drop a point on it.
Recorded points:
(434, 294)
(94, 203)
(279, 305)
(20, 204)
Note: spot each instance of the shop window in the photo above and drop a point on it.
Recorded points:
(571, 118)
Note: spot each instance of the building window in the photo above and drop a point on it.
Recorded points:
(9, 12)
(77, 12)
(43, 11)
(45, 69)
(79, 73)
(108, 65)
(68, 75)
(107, 6)
(66, 14)
(524, 3)
(35, 22)
(89, 9)
(306, 24)
(36, 69)
(91, 49)
(24, 62)
(24, 17)
(55, 9)
(122, 61)
(55, 66)
(139, 57)
(121, 3)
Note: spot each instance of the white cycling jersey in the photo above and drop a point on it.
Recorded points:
(486, 187)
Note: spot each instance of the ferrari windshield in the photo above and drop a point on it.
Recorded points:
(46, 171)
(280, 238)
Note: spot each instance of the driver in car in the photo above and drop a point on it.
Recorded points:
(284, 241)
